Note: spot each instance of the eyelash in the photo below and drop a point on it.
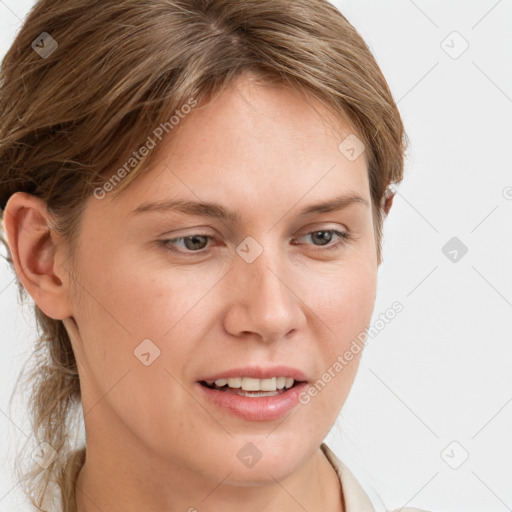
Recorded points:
(344, 236)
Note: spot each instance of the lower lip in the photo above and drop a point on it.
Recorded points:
(263, 408)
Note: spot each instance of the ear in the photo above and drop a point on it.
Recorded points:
(37, 255)
(388, 202)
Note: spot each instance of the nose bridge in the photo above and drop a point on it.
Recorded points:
(266, 275)
(270, 308)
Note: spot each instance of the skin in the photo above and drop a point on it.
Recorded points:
(154, 442)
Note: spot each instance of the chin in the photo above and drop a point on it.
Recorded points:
(263, 473)
(262, 459)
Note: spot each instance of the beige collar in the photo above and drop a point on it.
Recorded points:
(353, 495)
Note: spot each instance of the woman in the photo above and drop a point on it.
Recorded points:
(193, 194)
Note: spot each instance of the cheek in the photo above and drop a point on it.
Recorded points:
(118, 311)
(345, 310)
(344, 301)
(124, 305)
(131, 299)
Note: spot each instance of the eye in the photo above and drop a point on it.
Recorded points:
(191, 243)
(325, 236)
(195, 244)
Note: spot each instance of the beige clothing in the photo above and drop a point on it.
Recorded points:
(353, 495)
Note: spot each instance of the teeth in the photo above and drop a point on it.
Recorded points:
(268, 384)
(235, 382)
(250, 384)
(280, 382)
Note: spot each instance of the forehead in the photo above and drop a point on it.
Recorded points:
(253, 141)
(251, 109)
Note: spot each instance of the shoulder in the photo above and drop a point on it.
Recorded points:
(354, 496)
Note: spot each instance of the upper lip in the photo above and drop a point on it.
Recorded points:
(258, 372)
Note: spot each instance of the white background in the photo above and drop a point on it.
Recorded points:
(441, 370)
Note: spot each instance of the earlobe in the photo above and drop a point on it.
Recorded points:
(34, 251)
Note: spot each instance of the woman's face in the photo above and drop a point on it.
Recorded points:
(271, 293)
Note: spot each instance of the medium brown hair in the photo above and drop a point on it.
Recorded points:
(123, 67)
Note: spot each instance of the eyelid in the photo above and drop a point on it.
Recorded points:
(313, 228)
(343, 234)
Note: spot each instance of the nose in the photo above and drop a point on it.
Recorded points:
(264, 298)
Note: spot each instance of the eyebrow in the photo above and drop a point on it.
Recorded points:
(214, 210)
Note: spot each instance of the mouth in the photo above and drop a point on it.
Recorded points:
(254, 393)
(252, 387)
